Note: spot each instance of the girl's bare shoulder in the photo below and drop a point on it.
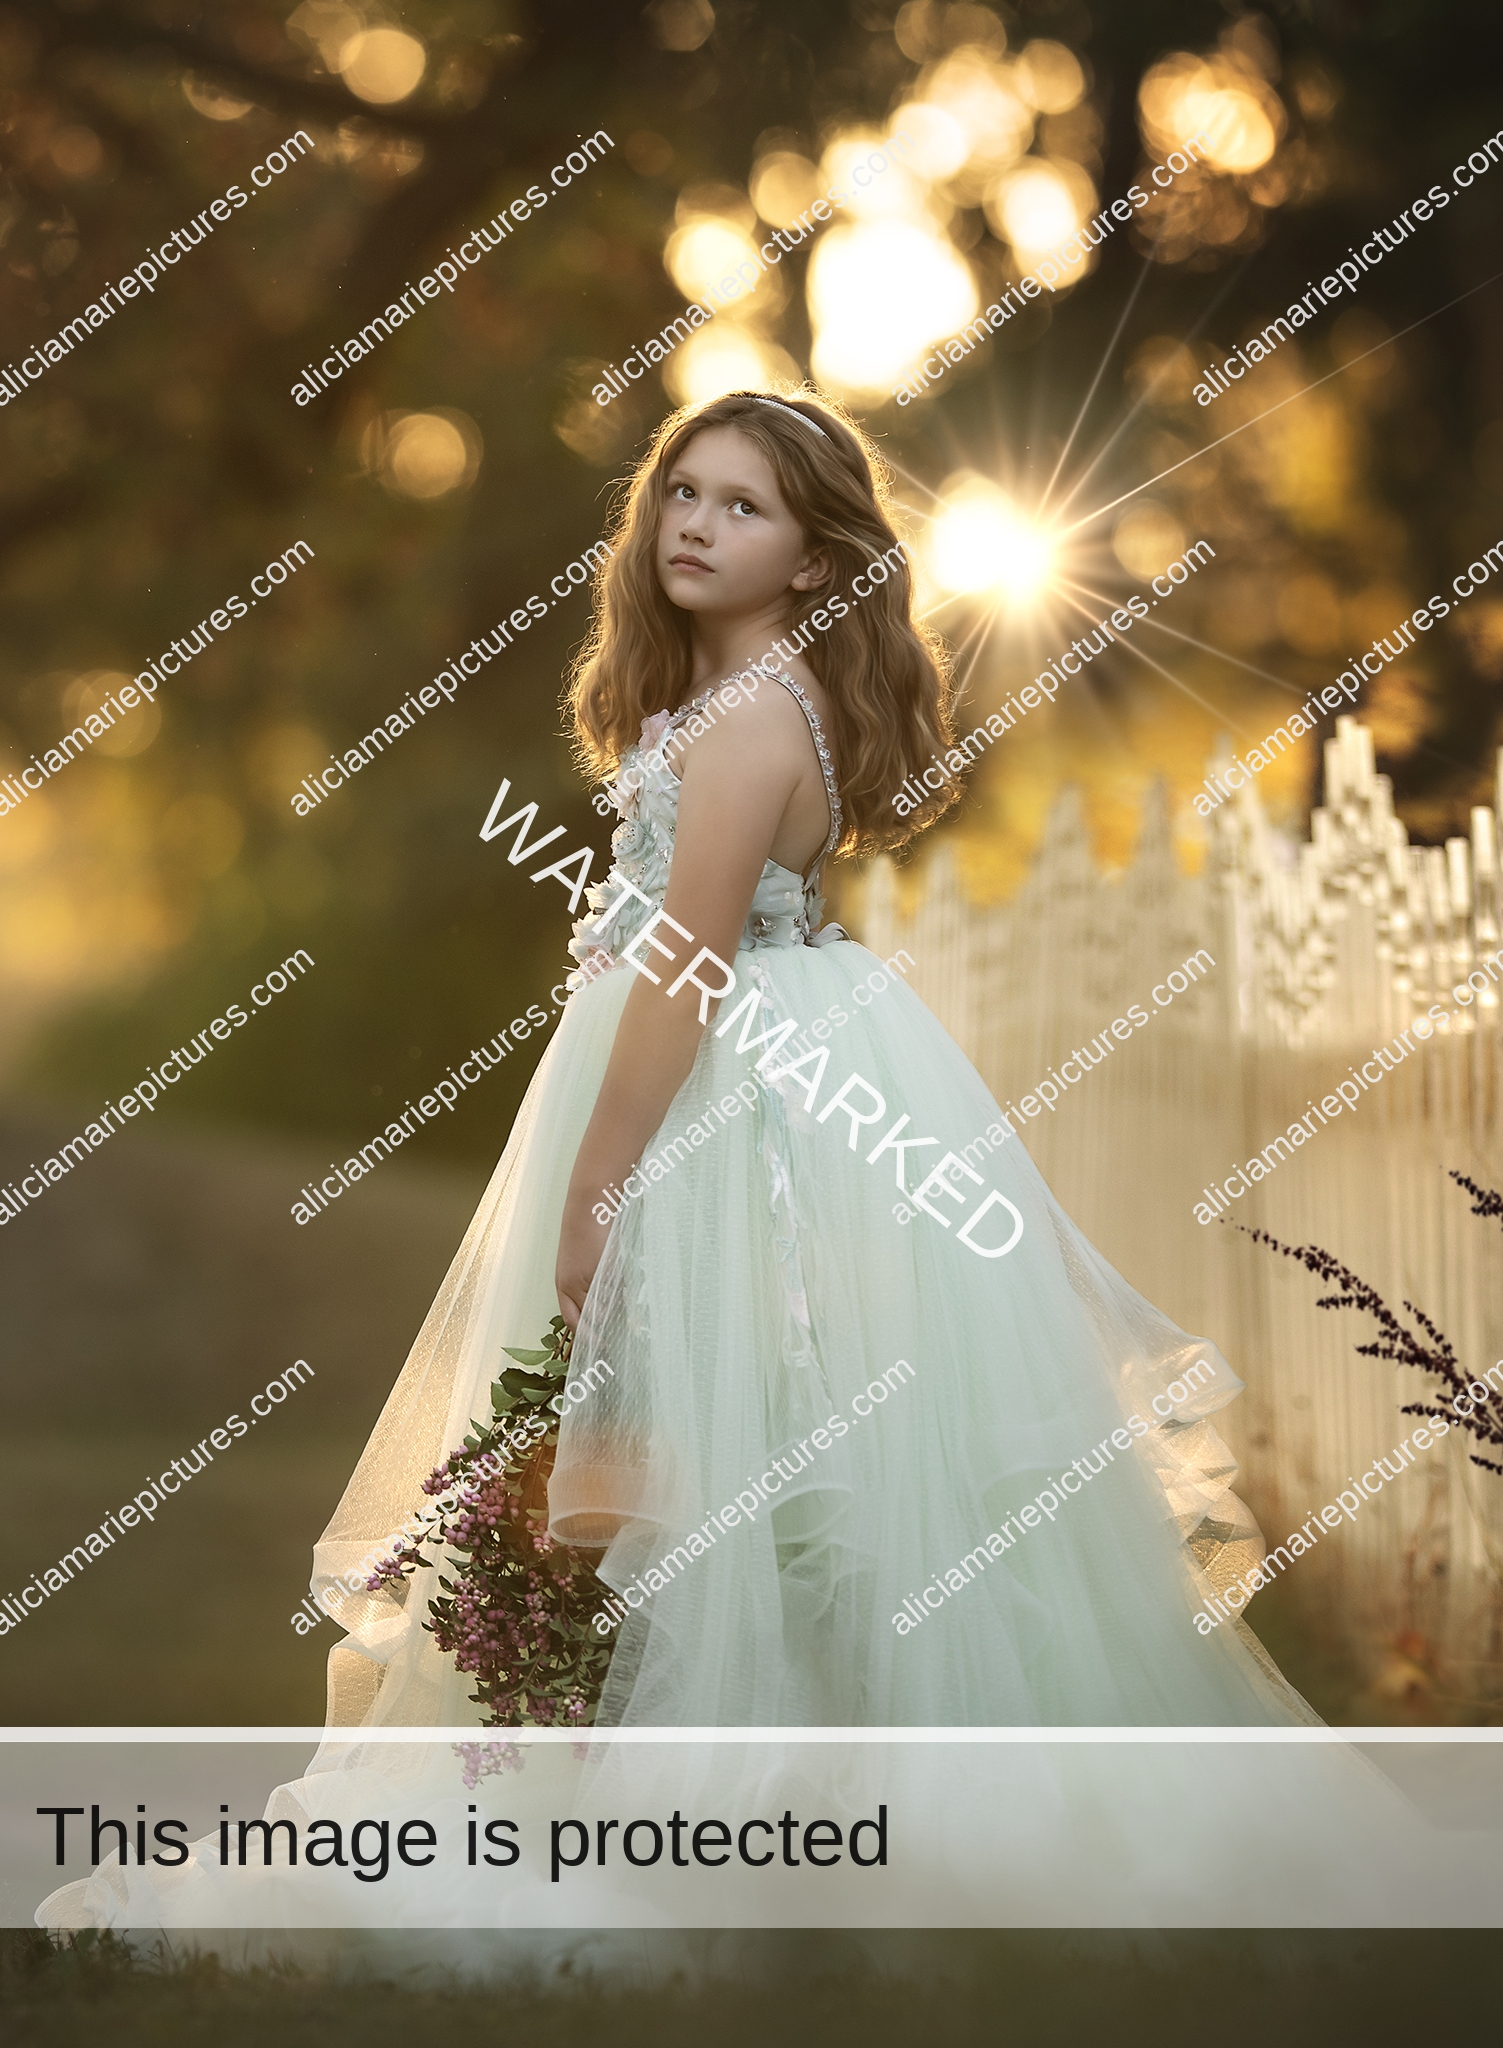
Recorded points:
(751, 712)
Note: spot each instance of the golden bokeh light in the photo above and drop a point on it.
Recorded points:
(926, 27)
(704, 251)
(210, 101)
(326, 26)
(1162, 371)
(427, 456)
(423, 454)
(1480, 625)
(976, 90)
(132, 732)
(1224, 99)
(1240, 134)
(980, 541)
(708, 198)
(938, 145)
(680, 24)
(77, 152)
(783, 185)
(1357, 338)
(1049, 77)
(39, 934)
(1316, 90)
(383, 65)
(648, 153)
(893, 191)
(29, 832)
(82, 906)
(718, 359)
(1397, 708)
(1147, 537)
(1039, 203)
(879, 294)
(597, 434)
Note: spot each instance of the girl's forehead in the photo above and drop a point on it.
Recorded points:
(725, 454)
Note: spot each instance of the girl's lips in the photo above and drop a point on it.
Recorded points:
(691, 562)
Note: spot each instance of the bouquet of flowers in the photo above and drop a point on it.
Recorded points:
(517, 1610)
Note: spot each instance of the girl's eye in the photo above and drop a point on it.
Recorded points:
(683, 490)
(745, 505)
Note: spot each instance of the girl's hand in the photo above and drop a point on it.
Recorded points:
(581, 1241)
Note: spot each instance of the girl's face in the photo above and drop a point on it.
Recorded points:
(728, 546)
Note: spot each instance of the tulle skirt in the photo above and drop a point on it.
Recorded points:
(806, 1418)
(865, 1440)
(863, 1458)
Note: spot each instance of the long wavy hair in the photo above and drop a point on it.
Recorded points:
(886, 676)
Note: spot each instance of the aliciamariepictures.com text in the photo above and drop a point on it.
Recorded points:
(657, 348)
(790, 1462)
(156, 1493)
(321, 783)
(446, 273)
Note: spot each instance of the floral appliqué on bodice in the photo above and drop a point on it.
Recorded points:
(785, 910)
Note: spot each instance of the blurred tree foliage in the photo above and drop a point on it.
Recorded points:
(164, 462)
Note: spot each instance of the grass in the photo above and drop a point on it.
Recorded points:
(147, 1299)
(1038, 1989)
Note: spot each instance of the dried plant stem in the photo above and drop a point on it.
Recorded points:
(1424, 1347)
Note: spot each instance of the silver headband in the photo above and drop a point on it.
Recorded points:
(782, 407)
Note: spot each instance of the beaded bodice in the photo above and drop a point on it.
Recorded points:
(786, 908)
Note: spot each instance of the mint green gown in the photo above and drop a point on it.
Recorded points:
(883, 1406)
(762, 1284)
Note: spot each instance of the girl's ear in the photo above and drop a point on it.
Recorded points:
(816, 568)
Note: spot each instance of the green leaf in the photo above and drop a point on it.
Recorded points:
(530, 1388)
(527, 1357)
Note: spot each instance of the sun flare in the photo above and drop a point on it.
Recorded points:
(980, 540)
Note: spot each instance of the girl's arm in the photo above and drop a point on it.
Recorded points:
(737, 781)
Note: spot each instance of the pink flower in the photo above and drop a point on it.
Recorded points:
(653, 729)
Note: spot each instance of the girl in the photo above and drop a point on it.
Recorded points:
(843, 1470)
(845, 1467)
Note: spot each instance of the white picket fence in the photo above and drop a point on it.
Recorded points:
(1322, 953)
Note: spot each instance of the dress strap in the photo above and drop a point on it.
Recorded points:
(832, 790)
(687, 711)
